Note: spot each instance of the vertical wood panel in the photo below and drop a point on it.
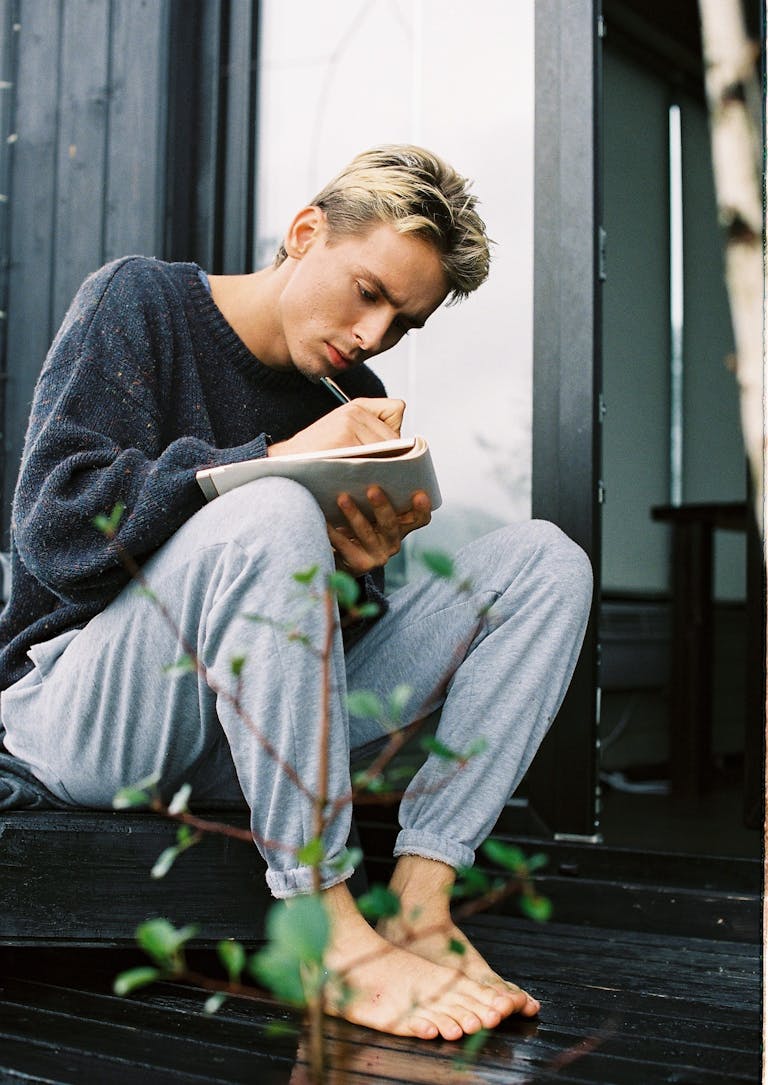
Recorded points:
(78, 223)
(562, 782)
(8, 55)
(207, 180)
(137, 120)
(33, 196)
(96, 171)
(237, 253)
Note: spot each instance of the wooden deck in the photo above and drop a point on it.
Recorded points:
(617, 1007)
(649, 973)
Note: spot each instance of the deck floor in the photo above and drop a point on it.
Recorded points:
(618, 1007)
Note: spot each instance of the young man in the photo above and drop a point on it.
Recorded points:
(158, 371)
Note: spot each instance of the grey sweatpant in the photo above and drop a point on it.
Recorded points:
(101, 709)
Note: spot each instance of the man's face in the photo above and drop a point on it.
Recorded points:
(352, 297)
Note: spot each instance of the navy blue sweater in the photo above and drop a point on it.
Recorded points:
(145, 383)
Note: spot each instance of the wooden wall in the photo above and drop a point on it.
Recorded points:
(126, 126)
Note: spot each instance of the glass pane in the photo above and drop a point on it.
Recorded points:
(340, 77)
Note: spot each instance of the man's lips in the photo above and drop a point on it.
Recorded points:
(337, 359)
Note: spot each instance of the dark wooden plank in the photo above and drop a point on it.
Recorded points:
(63, 882)
(628, 905)
(591, 1030)
(33, 196)
(106, 1027)
(208, 180)
(378, 829)
(240, 147)
(84, 878)
(82, 125)
(137, 132)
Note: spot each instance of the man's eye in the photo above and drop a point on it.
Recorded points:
(366, 294)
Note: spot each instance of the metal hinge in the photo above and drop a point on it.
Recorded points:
(602, 237)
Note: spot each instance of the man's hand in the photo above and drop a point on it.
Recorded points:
(366, 544)
(361, 422)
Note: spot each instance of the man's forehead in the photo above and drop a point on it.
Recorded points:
(404, 268)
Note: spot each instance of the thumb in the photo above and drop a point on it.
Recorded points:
(390, 411)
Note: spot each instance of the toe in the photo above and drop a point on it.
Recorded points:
(424, 1029)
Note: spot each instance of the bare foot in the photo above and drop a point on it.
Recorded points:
(395, 991)
(427, 930)
(439, 940)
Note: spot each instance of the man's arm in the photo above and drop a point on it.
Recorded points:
(96, 438)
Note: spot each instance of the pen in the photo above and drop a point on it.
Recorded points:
(334, 389)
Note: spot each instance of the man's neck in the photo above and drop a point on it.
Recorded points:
(250, 304)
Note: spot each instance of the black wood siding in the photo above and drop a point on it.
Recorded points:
(126, 126)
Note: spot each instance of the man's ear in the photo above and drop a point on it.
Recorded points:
(306, 228)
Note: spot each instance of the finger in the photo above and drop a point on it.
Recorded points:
(390, 411)
(387, 520)
(350, 556)
(418, 515)
(381, 538)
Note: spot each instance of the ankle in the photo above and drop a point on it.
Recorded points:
(422, 886)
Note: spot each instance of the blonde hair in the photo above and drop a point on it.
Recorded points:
(417, 193)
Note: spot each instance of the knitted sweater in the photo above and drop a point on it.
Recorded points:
(145, 383)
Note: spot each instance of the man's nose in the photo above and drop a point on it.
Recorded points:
(370, 332)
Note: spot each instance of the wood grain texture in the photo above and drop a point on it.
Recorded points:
(617, 1008)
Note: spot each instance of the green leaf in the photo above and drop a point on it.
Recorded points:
(165, 861)
(470, 882)
(430, 744)
(138, 794)
(480, 745)
(471, 1047)
(367, 610)
(161, 940)
(438, 563)
(350, 857)
(178, 804)
(364, 704)
(535, 907)
(279, 970)
(232, 956)
(135, 978)
(379, 903)
(536, 862)
(144, 592)
(215, 1002)
(300, 925)
(398, 699)
(374, 785)
(108, 525)
(184, 665)
(130, 796)
(278, 1030)
(306, 576)
(345, 588)
(236, 666)
(312, 854)
(505, 855)
(455, 946)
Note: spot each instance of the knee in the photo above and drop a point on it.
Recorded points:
(562, 562)
(274, 510)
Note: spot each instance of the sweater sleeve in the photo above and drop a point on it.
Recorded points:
(95, 439)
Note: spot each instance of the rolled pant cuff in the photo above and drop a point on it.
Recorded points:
(294, 883)
(453, 854)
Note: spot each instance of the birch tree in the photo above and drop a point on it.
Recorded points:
(734, 110)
